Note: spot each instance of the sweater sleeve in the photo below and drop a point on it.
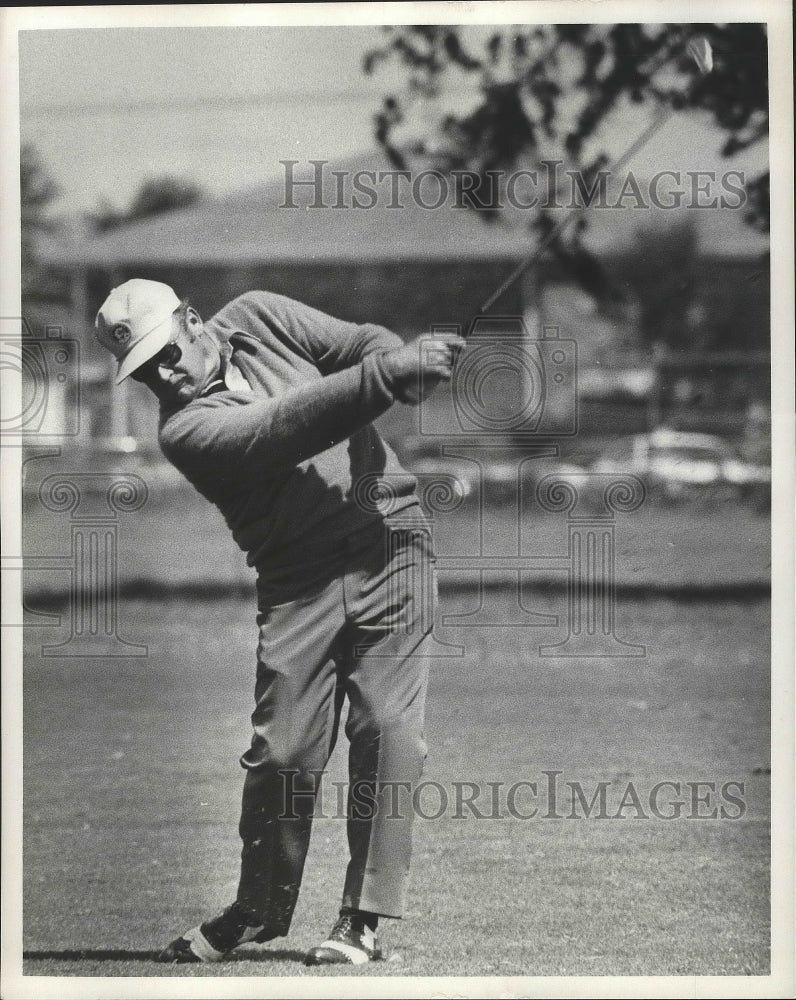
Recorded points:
(331, 344)
(231, 430)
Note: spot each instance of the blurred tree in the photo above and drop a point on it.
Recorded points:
(546, 91)
(661, 273)
(156, 195)
(37, 194)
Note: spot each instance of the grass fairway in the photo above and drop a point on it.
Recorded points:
(708, 545)
(132, 789)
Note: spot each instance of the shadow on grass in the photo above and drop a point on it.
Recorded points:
(123, 955)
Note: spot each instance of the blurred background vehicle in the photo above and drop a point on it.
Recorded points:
(678, 465)
(675, 466)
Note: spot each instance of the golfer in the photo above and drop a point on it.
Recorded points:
(266, 409)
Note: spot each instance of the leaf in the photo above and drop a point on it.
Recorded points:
(456, 53)
(610, 63)
(395, 157)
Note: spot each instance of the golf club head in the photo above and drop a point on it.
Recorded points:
(700, 51)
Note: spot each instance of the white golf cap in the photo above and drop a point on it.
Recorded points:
(135, 322)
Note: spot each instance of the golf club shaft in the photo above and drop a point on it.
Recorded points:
(620, 162)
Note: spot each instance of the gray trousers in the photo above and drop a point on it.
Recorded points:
(361, 635)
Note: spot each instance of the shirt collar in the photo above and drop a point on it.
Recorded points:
(218, 385)
(221, 339)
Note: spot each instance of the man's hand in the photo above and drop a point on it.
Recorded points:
(418, 368)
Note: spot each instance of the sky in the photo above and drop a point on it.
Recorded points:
(106, 108)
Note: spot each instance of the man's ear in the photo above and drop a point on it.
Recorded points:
(193, 322)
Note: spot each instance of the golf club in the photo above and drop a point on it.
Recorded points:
(699, 49)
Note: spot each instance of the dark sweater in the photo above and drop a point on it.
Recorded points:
(282, 463)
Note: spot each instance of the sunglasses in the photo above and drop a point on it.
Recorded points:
(166, 357)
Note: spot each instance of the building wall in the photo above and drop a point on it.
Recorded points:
(407, 297)
(732, 295)
(410, 297)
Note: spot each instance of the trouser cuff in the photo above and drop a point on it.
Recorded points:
(381, 892)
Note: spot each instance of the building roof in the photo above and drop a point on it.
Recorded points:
(256, 226)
